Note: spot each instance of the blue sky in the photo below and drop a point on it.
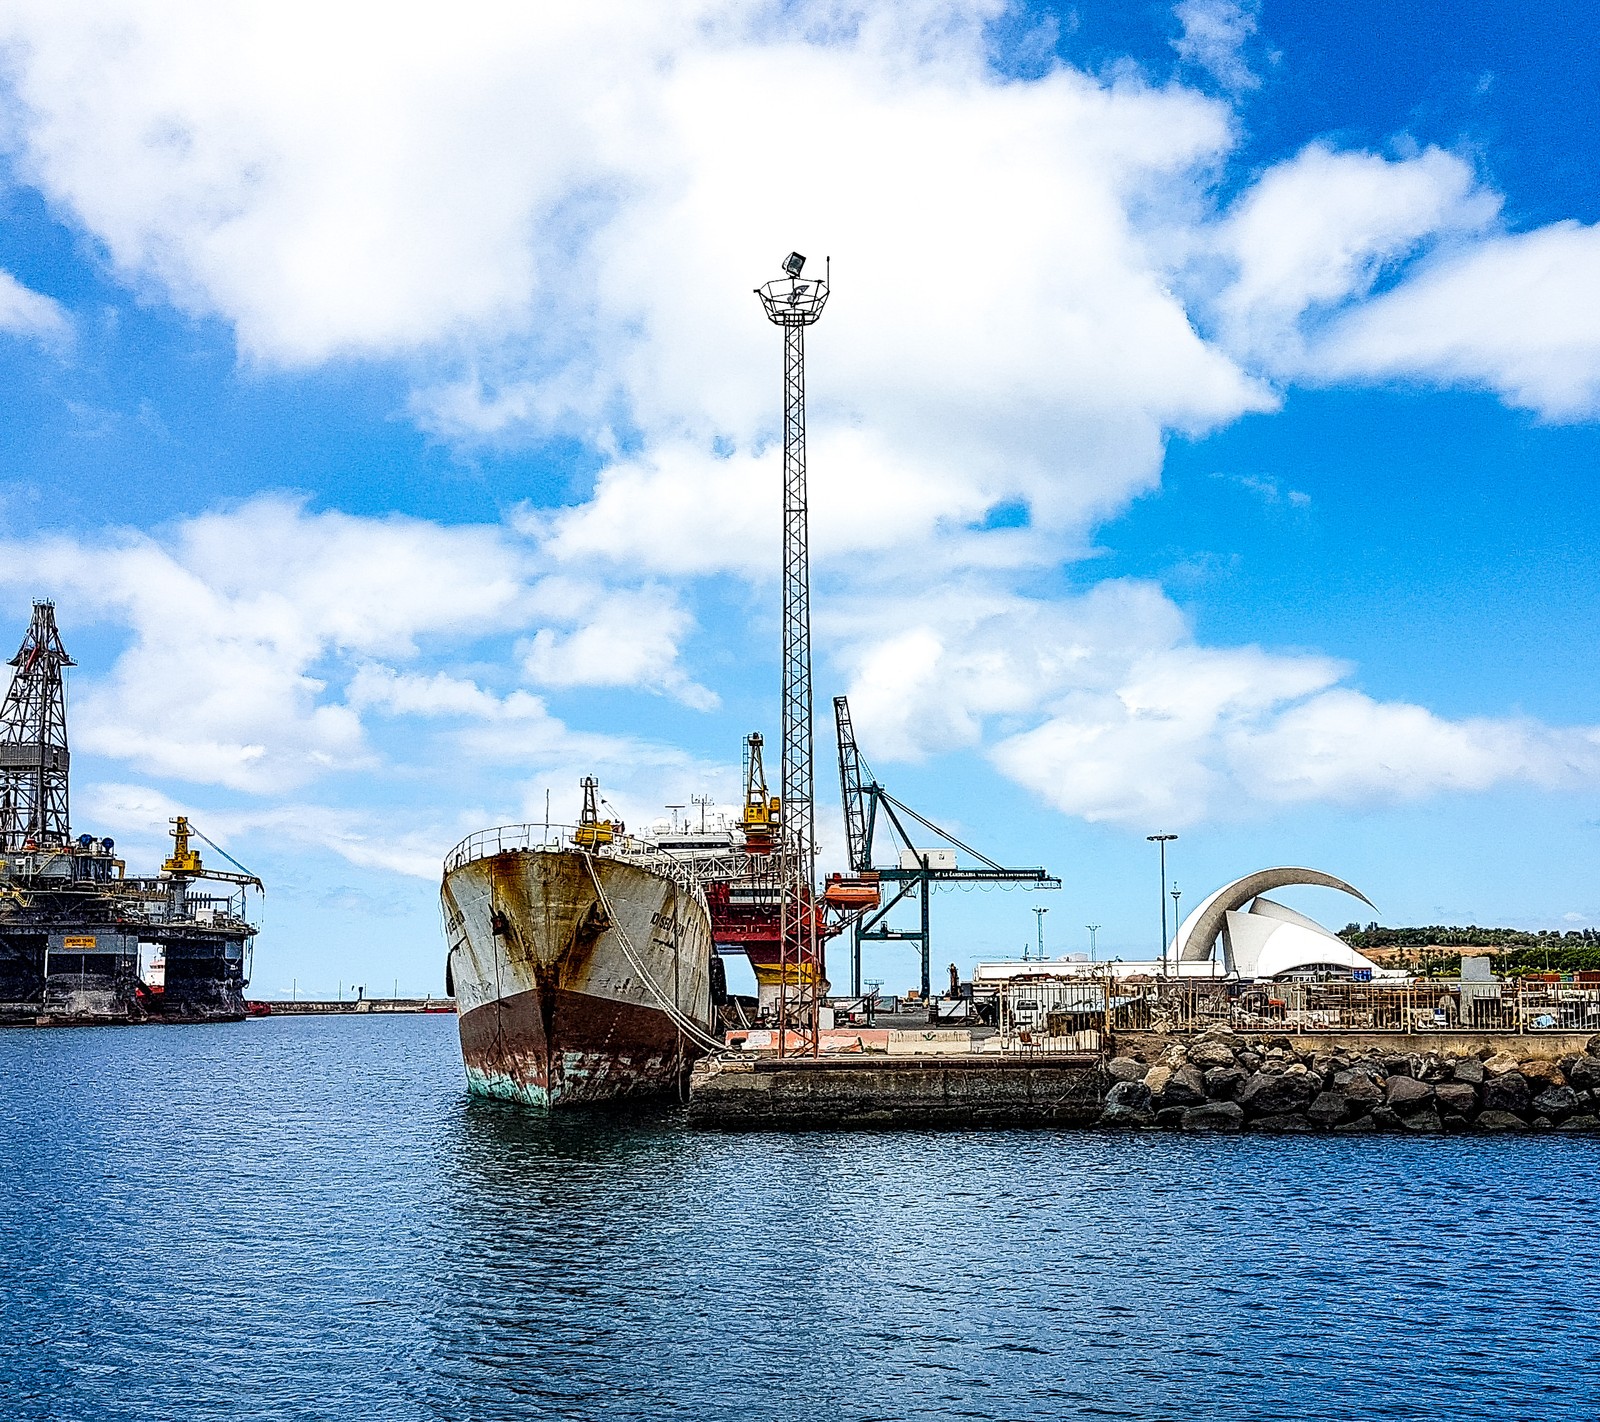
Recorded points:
(1202, 435)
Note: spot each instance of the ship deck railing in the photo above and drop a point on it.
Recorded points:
(542, 838)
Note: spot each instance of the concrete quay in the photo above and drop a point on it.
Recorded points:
(752, 1092)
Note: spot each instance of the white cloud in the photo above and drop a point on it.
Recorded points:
(1215, 33)
(1319, 228)
(1518, 314)
(612, 637)
(24, 312)
(560, 216)
(247, 623)
(357, 836)
(1345, 747)
(1106, 707)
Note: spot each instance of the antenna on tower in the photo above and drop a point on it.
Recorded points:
(33, 741)
(794, 302)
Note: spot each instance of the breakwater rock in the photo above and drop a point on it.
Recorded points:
(1220, 1081)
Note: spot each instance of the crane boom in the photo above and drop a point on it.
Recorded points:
(853, 779)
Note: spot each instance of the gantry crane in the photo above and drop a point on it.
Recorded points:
(919, 869)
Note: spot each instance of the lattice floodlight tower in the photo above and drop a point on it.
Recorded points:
(33, 741)
(794, 302)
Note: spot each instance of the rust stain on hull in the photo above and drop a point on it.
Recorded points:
(551, 1048)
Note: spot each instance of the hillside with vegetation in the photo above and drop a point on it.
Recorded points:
(1438, 948)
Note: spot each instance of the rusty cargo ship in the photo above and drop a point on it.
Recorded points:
(580, 962)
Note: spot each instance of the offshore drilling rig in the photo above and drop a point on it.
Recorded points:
(73, 925)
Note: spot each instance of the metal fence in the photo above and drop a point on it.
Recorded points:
(1525, 1005)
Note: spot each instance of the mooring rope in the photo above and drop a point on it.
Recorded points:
(685, 1024)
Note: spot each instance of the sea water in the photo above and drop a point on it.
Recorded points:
(309, 1218)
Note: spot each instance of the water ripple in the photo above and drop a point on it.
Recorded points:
(305, 1218)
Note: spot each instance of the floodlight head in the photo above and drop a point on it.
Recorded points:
(790, 301)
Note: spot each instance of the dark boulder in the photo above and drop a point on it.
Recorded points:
(1592, 1046)
(1585, 1074)
(1469, 1070)
(1507, 1093)
(1398, 1066)
(1126, 1069)
(1456, 1096)
(1407, 1095)
(1329, 1108)
(1127, 1103)
(1184, 1088)
(1424, 1122)
(1500, 1121)
(1557, 1102)
(1214, 1116)
(1580, 1123)
(1170, 1118)
(1361, 1124)
(1284, 1123)
(1224, 1083)
(1264, 1095)
(1358, 1086)
(1385, 1118)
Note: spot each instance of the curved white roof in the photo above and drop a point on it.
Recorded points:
(1267, 939)
(1197, 937)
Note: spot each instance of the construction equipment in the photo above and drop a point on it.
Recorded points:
(184, 862)
(34, 758)
(762, 815)
(793, 303)
(592, 831)
(917, 870)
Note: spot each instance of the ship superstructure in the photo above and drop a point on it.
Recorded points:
(74, 927)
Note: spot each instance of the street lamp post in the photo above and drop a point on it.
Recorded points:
(1093, 928)
(1177, 922)
(1162, 840)
(1038, 915)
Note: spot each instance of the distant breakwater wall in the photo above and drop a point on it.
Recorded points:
(314, 1007)
(1219, 1081)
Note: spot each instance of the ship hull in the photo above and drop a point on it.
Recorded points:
(553, 1008)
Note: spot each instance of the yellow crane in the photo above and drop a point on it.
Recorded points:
(184, 861)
